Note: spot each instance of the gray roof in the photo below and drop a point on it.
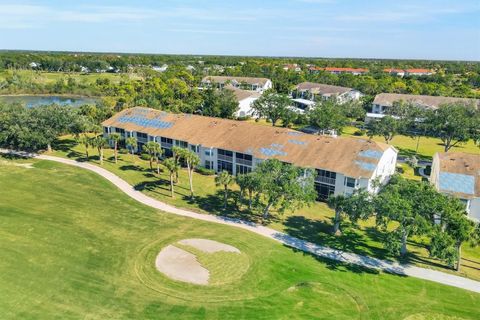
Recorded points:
(323, 89)
(429, 102)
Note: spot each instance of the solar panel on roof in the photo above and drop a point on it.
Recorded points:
(374, 154)
(366, 166)
(277, 146)
(272, 152)
(457, 182)
(294, 141)
(143, 122)
(292, 133)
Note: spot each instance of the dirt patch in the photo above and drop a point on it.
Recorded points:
(208, 246)
(181, 265)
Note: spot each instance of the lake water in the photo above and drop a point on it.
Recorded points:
(35, 101)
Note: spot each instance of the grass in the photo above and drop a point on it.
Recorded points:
(312, 223)
(427, 146)
(73, 246)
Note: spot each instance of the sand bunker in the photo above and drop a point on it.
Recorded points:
(208, 246)
(181, 265)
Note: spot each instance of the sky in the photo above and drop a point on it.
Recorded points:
(401, 29)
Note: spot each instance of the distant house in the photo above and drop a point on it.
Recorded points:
(342, 164)
(306, 93)
(34, 65)
(418, 72)
(163, 68)
(333, 70)
(190, 68)
(245, 100)
(245, 83)
(292, 67)
(409, 72)
(458, 174)
(385, 101)
(395, 72)
(84, 69)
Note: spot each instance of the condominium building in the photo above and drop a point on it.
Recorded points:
(458, 174)
(342, 164)
(306, 93)
(385, 101)
(245, 83)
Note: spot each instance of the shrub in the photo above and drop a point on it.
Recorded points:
(359, 133)
(205, 171)
(123, 151)
(145, 156)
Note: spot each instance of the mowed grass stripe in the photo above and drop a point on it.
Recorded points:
(70, 241)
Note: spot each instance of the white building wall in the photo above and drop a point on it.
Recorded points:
(474, 209)
(245, 107)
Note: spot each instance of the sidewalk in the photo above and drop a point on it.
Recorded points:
(326, 252)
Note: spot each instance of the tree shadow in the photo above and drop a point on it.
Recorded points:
(320, 232)
(131, 167)
(213, 203)
(64, 145)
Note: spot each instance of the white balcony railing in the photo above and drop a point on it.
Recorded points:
(326, 180)
(225, 158)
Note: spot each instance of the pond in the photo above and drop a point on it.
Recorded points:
(35, 101)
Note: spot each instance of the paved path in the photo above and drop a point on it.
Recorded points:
(321, 251)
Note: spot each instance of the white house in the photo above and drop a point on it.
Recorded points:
(306, 93)
(384, 101)
(418, 72)
(245, 100)
(163, 68)
(458, 174)
(342, 164)
(245, 83)
(334, 70)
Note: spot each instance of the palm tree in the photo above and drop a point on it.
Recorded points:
(178, 154)
(86, 141)
(224, 179)
(247, 183)
(115, 137)
(100, 143)
(132, 144)
(338, 203)
(192, 160)
(172, 167)
(154, 151)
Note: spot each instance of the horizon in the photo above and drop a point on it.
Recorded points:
(443, 30)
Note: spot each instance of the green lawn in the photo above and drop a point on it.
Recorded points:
(73, 247)
(427, 146)
(312, 223)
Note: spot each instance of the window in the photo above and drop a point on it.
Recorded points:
(181, 144)
(193, 148)
(326, 174)
(209, 164)
(350, 182)
(243, 169)
(209, 152)
(224, 166)
(225, 153)
(105, 129)
(141, 135)
(166, 140)
(324, 190)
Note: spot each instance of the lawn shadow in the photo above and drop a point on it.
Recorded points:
(320, 232)
(213, 203)
(64, 145)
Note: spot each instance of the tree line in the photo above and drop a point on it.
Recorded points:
(404, 209)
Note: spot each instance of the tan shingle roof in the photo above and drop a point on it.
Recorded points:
(461, 164)
(319, 88)
(352, 157)
(223, 79)
(243, 94)
(431, 102)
